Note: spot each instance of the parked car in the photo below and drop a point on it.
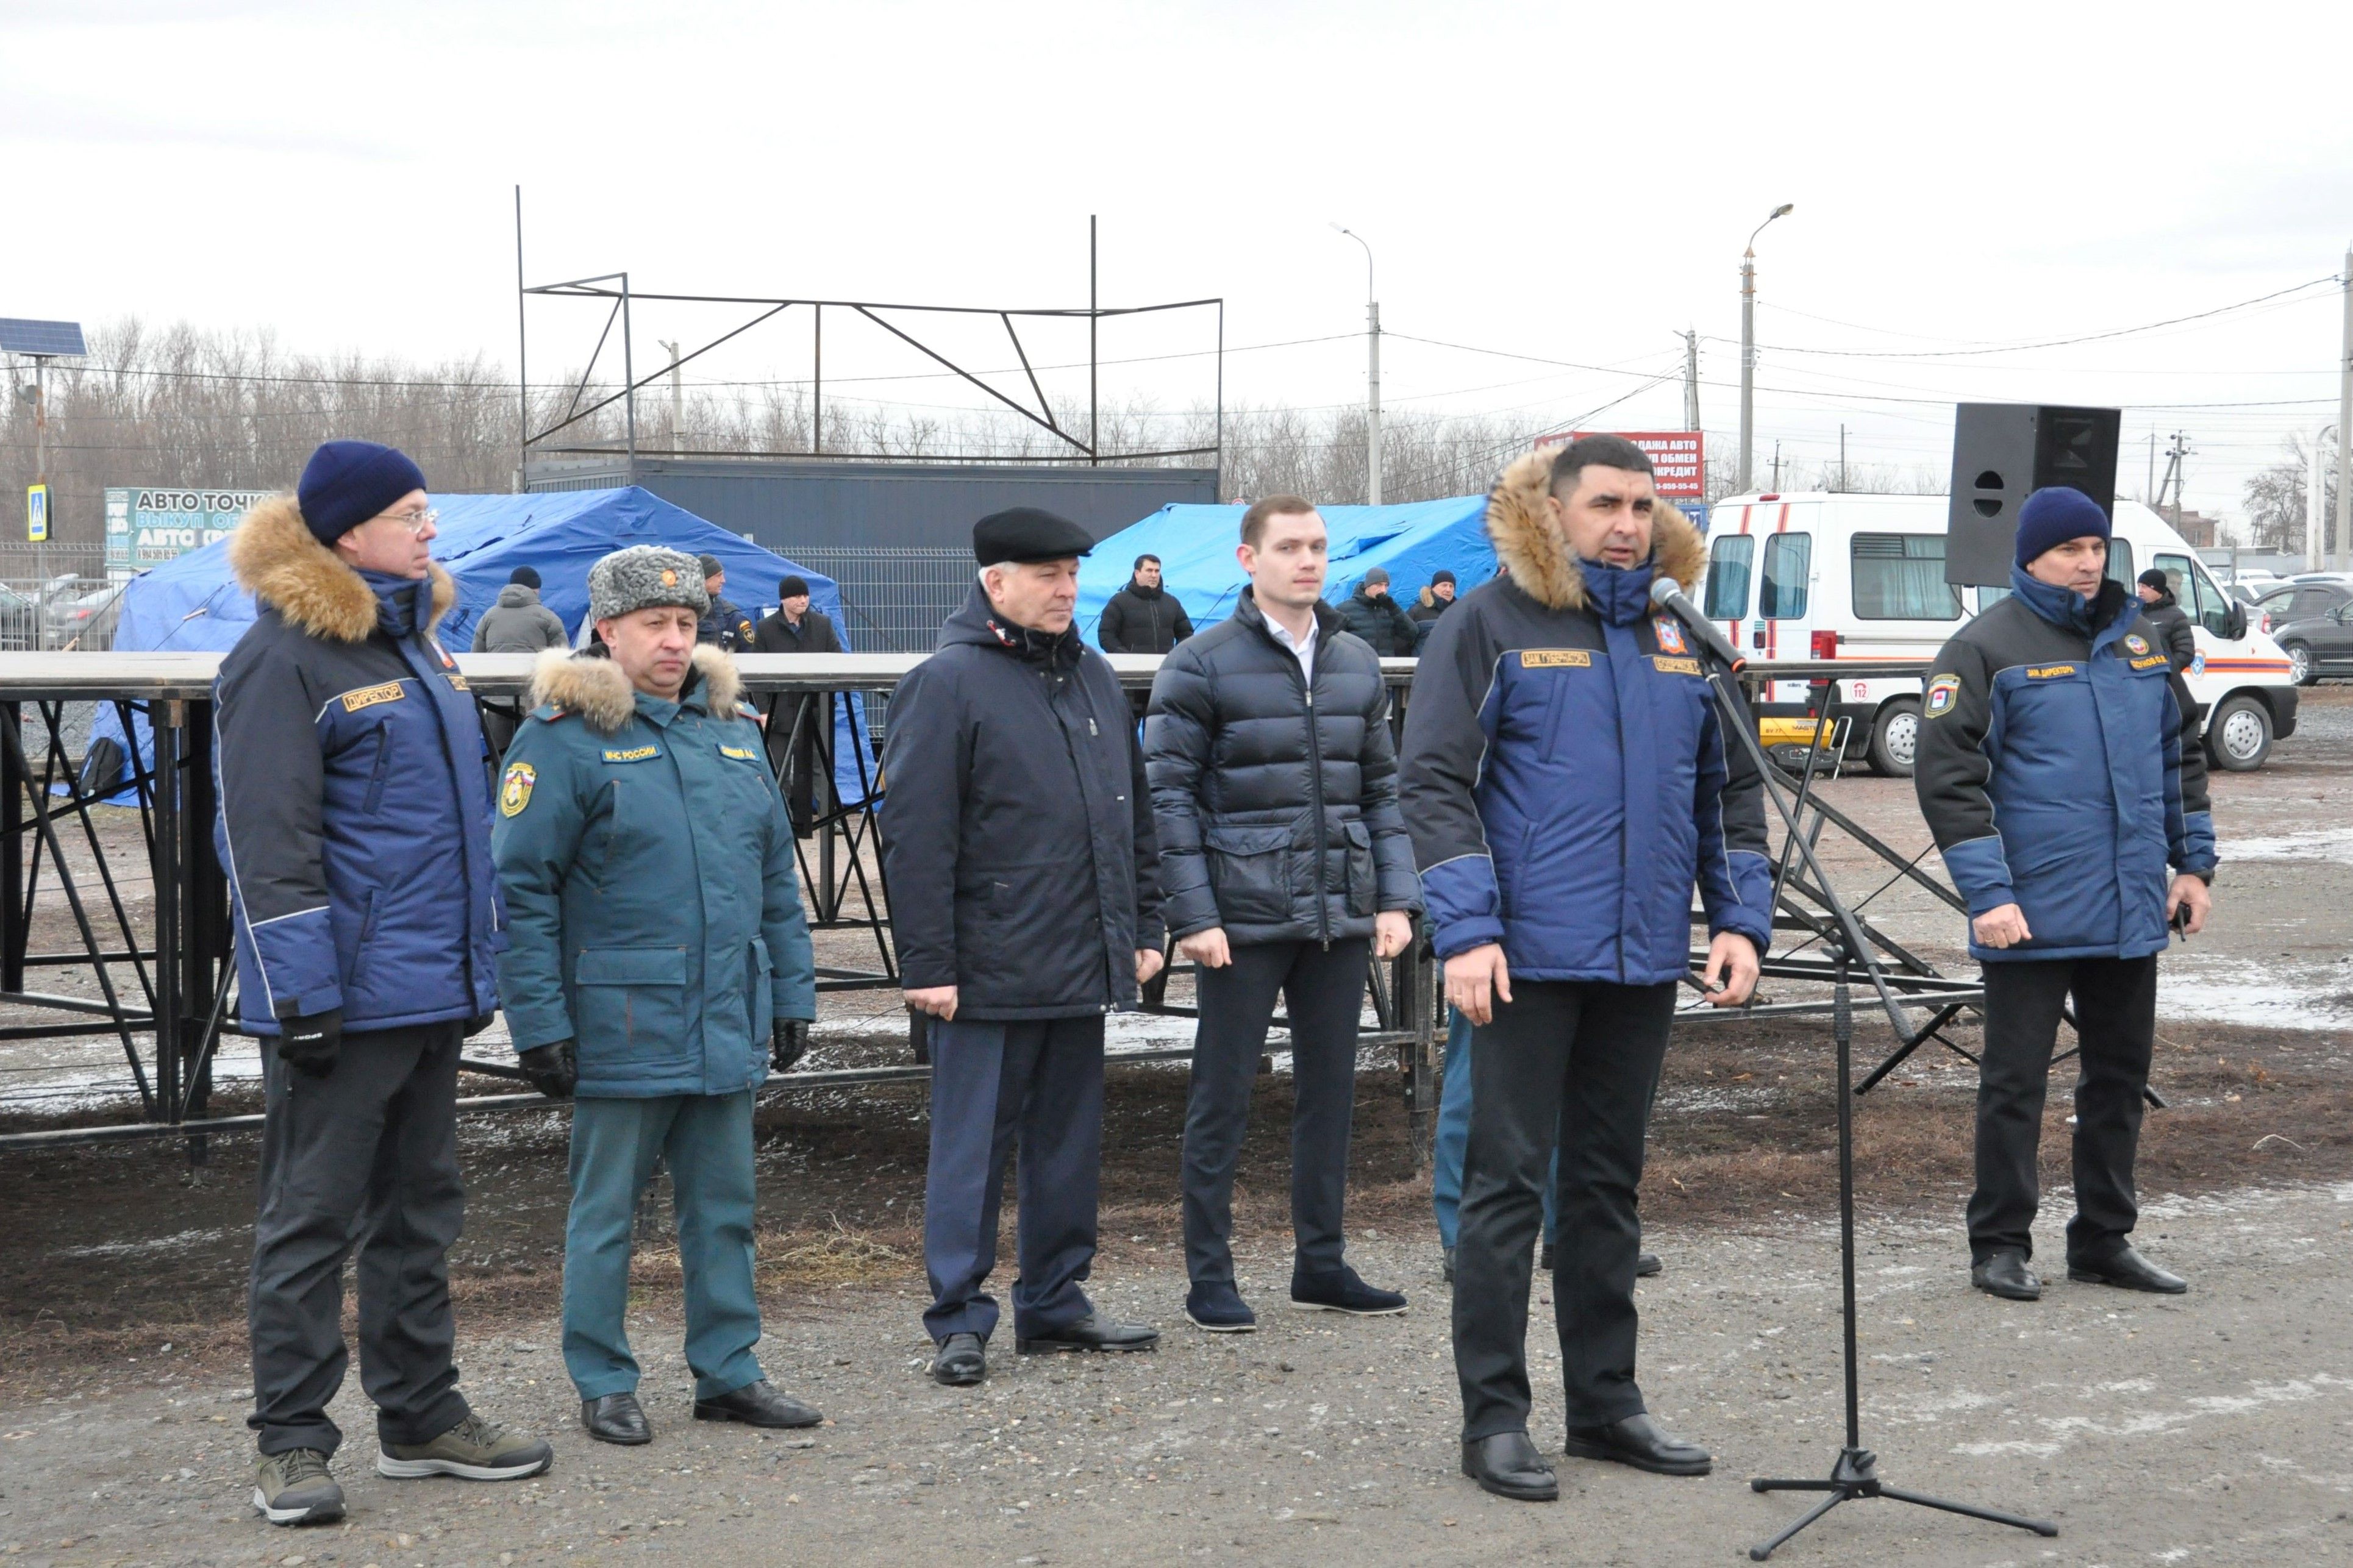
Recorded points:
(2307, 617)
(82, 617)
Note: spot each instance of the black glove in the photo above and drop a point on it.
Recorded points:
(551, 1068)
(789, 1040)
(311, 1042)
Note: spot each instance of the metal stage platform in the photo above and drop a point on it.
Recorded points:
(163, 978)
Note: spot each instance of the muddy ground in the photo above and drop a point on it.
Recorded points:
(113, 1253)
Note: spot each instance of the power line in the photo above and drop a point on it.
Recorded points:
(2331, 280)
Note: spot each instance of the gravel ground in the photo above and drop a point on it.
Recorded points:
(2206, 1429)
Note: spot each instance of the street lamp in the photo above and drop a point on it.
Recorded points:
(1373, 376)
(1748, 342)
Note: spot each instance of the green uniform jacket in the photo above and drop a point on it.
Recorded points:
(651, 892)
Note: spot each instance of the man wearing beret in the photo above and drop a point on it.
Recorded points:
(722, 624)
(1016, 832)
(795, 723)
(2060, 771)
(355, 828)
(661, 961)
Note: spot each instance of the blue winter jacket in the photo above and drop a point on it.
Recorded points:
(1565, 778)
(2059, 769)
(354, 794)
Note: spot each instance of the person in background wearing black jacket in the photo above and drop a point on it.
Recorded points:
(1144, 617)
(2161, 609)
(1375, 617)
(1274, 796)
(724, 625)
(1435, 600)
(1017, 837)
(355, 830)
(793, 722)
(2060, 772)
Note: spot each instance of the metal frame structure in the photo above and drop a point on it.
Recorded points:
(614, 288)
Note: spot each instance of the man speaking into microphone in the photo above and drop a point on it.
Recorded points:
(2059, 769)
(1567, 782)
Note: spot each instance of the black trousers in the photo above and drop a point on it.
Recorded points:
(2115, 1016)
(365, 1156)
(1324, 989)
(1582, 1058)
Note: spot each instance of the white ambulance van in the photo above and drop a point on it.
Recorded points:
(1800, 577)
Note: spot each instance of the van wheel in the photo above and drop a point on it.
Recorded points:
(1894, 737)
(2300, 667)
(2239, 735)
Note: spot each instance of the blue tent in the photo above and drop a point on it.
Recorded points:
(1196, 546)
(194, 604)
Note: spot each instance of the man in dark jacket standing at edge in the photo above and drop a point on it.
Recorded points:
(1567, 782)
(1375, 617)
(1274, 796)
(1144, 617)
(2060, 771)
(355, 828)
(793, 721)
(661, 963)
(2161, 610)
(724, 625)
(1017, 836)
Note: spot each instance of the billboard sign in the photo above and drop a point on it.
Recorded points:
(1678, 458)
(147, 525)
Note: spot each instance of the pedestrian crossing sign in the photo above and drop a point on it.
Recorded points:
(37, 514)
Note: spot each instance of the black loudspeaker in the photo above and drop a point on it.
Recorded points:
(2004, 452)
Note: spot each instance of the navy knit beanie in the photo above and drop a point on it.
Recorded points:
(2054, 515)
(347, 482)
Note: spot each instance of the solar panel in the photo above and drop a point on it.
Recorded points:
(22, 337)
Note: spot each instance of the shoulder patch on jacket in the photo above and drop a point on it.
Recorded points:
(2136, 643)
(631, 753)
(514, 788)
(369, 695)
(1666, 665)
(1554, 658)
(1943, 692)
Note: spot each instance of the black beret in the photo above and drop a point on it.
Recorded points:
(1024, 533)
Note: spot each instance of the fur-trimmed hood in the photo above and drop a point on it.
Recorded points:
(279, 560)
(1540, 563)
(595, 688)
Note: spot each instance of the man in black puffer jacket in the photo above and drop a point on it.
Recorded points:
(2161, 609)
(1025, 902)
(1144, 617)
(1274, 795)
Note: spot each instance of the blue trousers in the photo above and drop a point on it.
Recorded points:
(1454, 1136)
(1037, 1082)
(707, 1141)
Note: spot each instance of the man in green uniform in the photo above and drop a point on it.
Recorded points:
(659, 958)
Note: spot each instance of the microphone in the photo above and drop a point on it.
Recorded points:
(1667, 596)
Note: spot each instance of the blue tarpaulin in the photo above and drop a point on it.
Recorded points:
(194, 604)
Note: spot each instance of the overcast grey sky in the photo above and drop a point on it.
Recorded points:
(1564, 183)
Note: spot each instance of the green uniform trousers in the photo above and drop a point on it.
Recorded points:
(707, 1141)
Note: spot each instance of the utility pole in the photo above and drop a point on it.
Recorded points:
(677, 400)
(1690, 378)
(1372, 375)
(1094, 403)
(1777, 467)
(2344, 425)
(2315, 499)
(2176, 464)
(1749, 349)
(1841, 484)
(2149, 491)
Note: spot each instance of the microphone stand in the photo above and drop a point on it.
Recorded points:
(1855, 1475)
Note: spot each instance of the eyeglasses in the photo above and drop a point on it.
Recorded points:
(415, 521)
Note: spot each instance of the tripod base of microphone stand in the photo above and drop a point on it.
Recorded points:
(1856, 1476)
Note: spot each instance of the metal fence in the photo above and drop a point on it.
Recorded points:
(895, 600)
(56, 596)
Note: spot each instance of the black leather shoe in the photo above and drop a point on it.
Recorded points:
(756, 1405)
(1637, 1441)
(1447, 1268)
(1090, 1333)
(616, 1418)
(1508, 1465)
(1647, 1264)
(1342, 1291)
(2127, 1270)
(1544, 1258)
(961, 1361)
(2006, 1275)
